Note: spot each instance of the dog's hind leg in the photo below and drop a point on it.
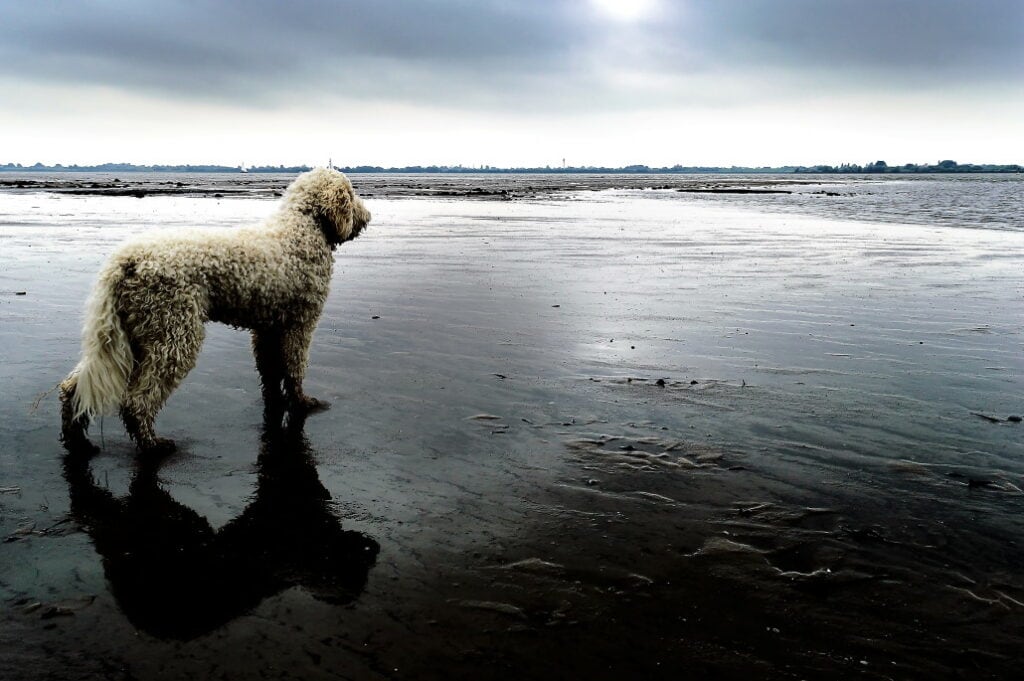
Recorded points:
(266, 348)
(72, 431)
(295, 343)
(161, 365)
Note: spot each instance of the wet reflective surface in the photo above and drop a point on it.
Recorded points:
(611, 435)
(173, 575)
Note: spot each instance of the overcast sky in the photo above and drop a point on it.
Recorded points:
(512, 82)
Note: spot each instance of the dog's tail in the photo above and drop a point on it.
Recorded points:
(97, 384)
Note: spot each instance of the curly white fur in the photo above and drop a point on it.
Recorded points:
(102, 373)
(145, 320)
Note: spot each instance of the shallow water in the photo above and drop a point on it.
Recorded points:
(809, 494)
(981, 201)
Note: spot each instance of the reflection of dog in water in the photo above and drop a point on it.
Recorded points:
(144, 325)
(175, 577)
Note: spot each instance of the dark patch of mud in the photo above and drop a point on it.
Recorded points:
(485, 187)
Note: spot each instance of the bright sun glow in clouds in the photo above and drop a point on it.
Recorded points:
(598, 82)
(626, 10)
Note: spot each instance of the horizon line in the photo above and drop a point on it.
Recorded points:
(876, 166)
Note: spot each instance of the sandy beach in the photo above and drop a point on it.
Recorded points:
(615, 433)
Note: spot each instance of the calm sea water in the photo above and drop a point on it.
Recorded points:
(982, 201)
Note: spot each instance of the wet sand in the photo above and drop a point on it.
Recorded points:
(504, 489)
(390, 185)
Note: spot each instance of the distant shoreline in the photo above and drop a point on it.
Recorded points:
(876, 168)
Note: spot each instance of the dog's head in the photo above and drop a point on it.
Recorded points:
(328, 197)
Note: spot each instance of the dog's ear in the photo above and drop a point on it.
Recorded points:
(333, 208)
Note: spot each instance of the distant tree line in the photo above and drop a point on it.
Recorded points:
(846, 168)
(940, 167)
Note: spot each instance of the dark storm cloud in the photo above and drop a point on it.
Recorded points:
(243, 48)
(887, 37)
(493, 51)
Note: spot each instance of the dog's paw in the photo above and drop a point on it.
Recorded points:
(160, 446)
(308, 405)
(79, 445)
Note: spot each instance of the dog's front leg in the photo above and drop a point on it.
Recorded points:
(295, 349)
(266, 347)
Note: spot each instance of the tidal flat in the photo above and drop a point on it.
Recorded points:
(599, 432)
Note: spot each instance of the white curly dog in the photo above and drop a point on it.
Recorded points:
(145, 320)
